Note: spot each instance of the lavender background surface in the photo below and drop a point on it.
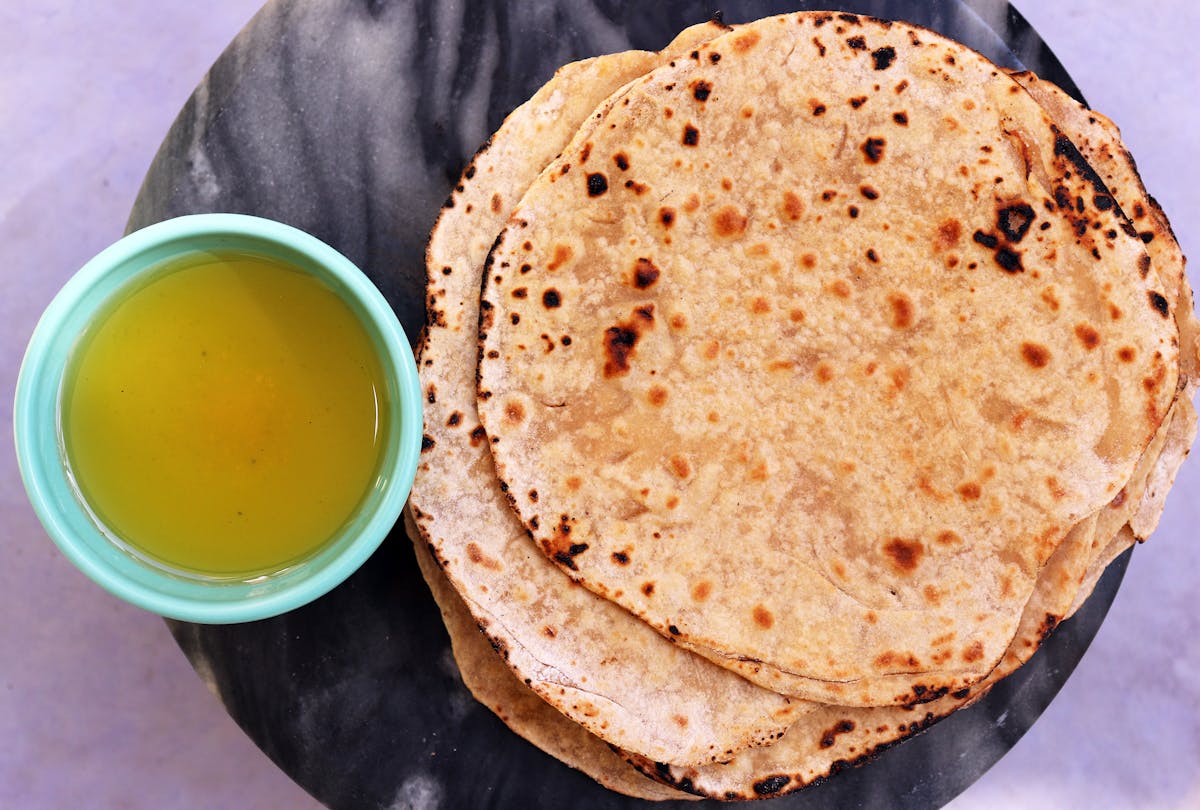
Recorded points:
(98, 708)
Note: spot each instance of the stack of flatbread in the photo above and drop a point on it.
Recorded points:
(784, 390)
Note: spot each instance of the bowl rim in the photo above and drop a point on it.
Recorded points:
(35, 423)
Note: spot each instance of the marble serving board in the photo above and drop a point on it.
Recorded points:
(352, 119)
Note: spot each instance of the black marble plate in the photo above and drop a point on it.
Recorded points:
(351, 119)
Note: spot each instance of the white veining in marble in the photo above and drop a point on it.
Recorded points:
(97, 706)
(419, 792)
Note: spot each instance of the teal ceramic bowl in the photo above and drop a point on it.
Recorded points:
(42, 457)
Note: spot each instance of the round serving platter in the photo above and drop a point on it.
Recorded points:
(352, 119)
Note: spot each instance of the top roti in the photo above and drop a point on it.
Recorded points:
(815, 350)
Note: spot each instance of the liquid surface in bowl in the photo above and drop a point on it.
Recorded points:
(226, 417)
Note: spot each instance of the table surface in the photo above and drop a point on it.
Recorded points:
(86, 95)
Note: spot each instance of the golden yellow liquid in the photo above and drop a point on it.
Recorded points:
(226, 417)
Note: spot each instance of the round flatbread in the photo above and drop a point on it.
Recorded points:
(809, 399)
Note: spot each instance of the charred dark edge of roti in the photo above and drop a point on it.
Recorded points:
(434, 316)
(486, 314)
(1157, 215)
(781, 784)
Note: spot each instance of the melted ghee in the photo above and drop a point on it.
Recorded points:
(225, 418)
